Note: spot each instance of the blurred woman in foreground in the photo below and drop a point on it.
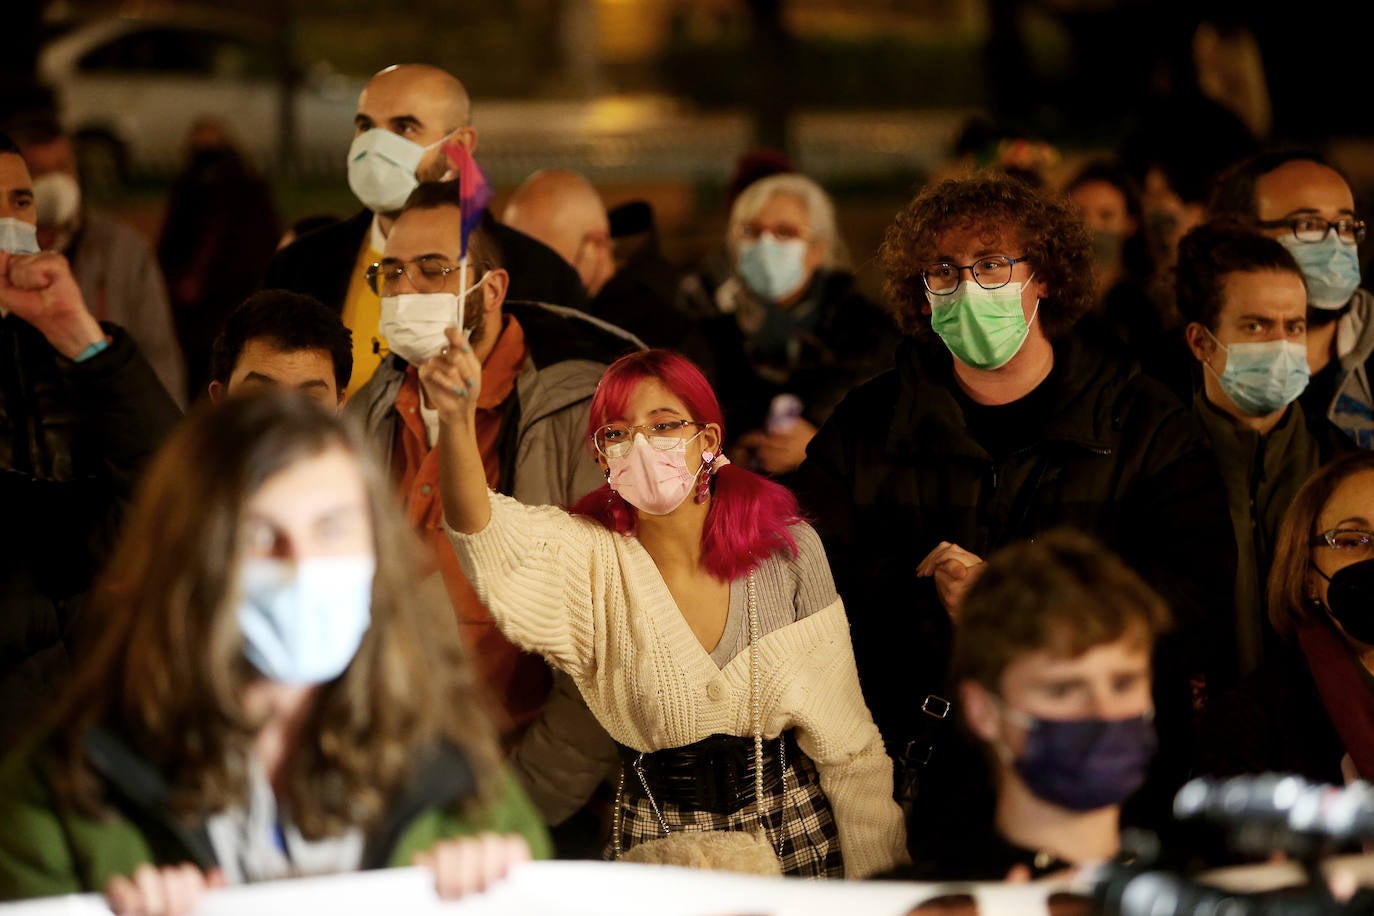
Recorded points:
(267, 693)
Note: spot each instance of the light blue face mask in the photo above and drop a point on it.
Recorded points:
(1331, 267)
(302, 623)
(17, 236)
(1265, 377)
(773, 268)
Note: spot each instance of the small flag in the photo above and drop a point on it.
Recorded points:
(473, 188)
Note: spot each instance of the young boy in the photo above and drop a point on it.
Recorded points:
(1052, 664)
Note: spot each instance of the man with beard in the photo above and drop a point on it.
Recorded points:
(1298, 198)
(405, 115)
(540, 366)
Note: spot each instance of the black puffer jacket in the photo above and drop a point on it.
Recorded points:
(896, 470)
(73, 440)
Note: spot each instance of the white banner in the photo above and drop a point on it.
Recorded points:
(581, 889)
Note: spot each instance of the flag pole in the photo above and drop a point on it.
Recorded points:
(462, 290)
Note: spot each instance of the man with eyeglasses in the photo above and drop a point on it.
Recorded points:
(405, 115)
(998, 423)
(1300, 199)
(540, 366)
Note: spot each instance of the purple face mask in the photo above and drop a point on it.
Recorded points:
(1085, 764)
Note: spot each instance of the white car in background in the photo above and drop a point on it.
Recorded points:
(128, 88)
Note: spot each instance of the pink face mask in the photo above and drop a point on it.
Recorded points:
(652, 481)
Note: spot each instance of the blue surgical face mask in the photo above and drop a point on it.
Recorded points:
(983, 328)
(1263, 378)
(303, 622)
(773, 268)
(17, 236)
(1084, 764)
(1331, 267)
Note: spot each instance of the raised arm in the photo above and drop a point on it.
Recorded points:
(452, 380)
(532, 566)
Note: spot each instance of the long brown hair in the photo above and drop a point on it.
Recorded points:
(1290, 605)
(165, 666)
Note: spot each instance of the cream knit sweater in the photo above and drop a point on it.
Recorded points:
(593, 603)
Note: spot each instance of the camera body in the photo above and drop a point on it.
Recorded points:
(1260, 815)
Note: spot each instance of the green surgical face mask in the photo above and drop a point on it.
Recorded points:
(983, 328)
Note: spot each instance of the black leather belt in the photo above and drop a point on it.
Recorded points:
(714, 774)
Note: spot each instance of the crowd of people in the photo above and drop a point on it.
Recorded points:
(488, 539)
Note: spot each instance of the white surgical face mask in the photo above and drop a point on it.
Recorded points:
(381, 169)
(414, 323)
(303, 622)
(58, 199)
(17, 236)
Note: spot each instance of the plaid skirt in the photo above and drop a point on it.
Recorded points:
(799, 824)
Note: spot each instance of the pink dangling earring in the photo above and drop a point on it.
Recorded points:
(704, 484)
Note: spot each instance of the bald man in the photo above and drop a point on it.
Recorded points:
(404, 115)
(563, 210)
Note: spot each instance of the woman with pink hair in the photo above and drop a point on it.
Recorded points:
(696, 613)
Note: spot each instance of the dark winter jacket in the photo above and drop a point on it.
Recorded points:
(74, 438)
(1108, 452)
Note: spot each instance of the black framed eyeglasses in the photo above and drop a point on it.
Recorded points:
(1349, 541)
(427, 274)
(991, 272)
(614, 439)
(1315, 229)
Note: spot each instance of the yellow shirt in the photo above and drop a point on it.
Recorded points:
(362, 313)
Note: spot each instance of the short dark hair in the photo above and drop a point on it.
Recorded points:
(1055, 239)
(1233, 194)
(1062, 592)
(1211, 251)
(483, 252)
(9, 146)
(290, 321)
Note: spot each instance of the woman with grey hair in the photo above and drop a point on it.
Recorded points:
(789, 332)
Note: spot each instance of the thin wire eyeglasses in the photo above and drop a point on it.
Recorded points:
(1346, 540)
(614, 439)
(428, 276)
(992, 272)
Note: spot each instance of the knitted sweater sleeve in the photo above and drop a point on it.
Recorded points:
(836, 730)
(532, 567)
